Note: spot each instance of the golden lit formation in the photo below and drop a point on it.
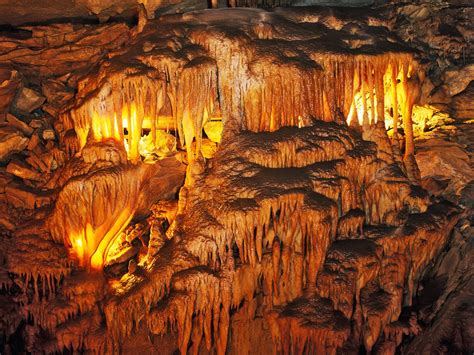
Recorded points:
(91, 246)
(383, 86)
(388, 96)
(142, 135)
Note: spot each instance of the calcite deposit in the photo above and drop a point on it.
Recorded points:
(231, 181)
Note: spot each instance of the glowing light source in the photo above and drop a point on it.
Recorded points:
(133, 120)
(91, 245)
(371, 104)
(78, 247)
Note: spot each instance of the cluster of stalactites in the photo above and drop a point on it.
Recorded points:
(333, 92)
(133, 104)
(297, 236)
(297, 231)
(44, 284)
(199, 306)
(385, 86)
(254, 95)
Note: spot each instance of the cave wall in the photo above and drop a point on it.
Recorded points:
(35, 11)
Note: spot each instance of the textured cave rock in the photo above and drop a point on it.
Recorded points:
(443, 32)
(39, 11)
(223, 181)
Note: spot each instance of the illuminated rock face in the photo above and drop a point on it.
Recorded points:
(258, 74)
(304, 226)
(93, 209)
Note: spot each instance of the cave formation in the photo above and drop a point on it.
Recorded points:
(236, 180)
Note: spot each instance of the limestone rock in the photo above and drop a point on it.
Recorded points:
(208, 148)
(103, 9)
(34, 141)
(17, 123)
(213, 130)
(127, 191)
(47, 161)
(11, 141)
(51, 110)
(444, 160)
(5, 179)
(142, 18)
(9, 83)
(427, 118)
(24, 197)
(23, 170)
(299, 224)
(48, 134)
(463, 103)
(350, 225)
(109, 151)
(165, 143)
(315, 317)
(440, 96)
(438, 28)
(435, 185)
(57, 94)
(132, 266)
(36, 123)
(124, 254)
(445, 300)
(467, 196)
(27, 100)
(7, 223)
(457, 79)
(53, 35)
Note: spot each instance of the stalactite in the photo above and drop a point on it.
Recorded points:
(407, 123)
(364, 92)
(298, 327)
(350, 225)
(264, 99)
(379, 73)
(394, 100)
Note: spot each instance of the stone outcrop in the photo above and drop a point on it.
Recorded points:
(11, 141)
(462, 103)
(103, 10)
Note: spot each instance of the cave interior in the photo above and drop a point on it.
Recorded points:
(250, 177)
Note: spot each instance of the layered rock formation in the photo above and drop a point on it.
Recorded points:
(103, 10)
(222, 181)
